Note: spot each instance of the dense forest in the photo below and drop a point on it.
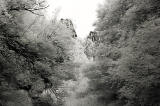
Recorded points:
(125, 47)
(36, 54)
(44, 63)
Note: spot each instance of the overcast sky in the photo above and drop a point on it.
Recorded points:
(81, 12)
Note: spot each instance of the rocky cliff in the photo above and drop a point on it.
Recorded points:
(69, 25)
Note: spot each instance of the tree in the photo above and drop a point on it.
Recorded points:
(34, 53)
(128, 52)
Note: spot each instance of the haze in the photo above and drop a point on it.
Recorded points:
(81, 12)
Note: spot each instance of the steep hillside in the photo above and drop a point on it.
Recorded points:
(34, 55)
(43, 63)
(127, 57)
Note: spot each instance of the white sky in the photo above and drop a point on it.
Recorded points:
(81, 12)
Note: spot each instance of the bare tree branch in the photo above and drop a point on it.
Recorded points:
(32, 10)
(35, 9)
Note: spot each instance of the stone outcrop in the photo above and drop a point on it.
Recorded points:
(93, 35)
(69, 25)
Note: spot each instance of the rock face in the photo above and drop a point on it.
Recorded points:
(93, 35)
(69, 24)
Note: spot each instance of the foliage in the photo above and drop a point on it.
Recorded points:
(32, 50)
(127, 57)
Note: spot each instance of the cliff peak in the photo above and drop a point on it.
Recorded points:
(69, 25)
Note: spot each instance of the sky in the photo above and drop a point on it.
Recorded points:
(81, 12)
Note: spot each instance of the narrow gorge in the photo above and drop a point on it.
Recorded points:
(45, 62)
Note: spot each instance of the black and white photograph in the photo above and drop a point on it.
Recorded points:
(79, 52)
